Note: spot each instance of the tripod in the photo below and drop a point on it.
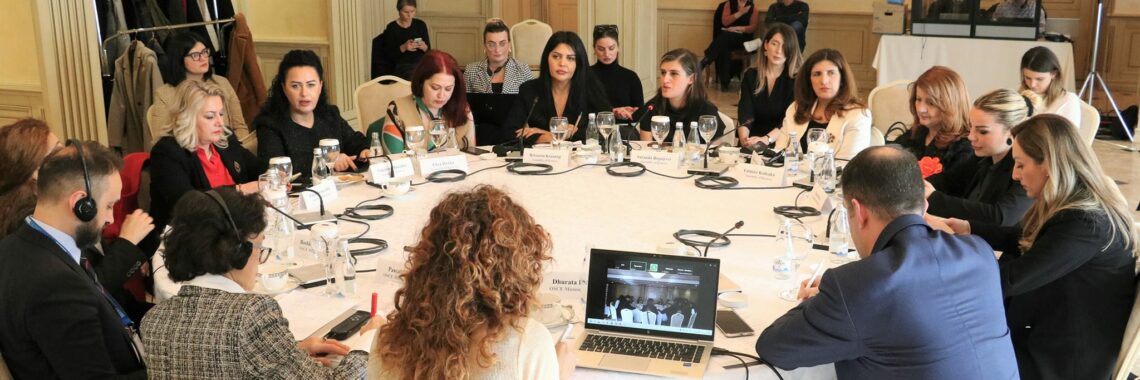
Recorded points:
(1094, 75)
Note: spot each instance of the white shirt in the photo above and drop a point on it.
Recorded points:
(535, 358)
(1067, 106)
(64, 240)
(215, 281)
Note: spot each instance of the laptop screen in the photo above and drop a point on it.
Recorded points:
(651, 294)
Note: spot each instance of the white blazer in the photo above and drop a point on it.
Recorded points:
(850, 133)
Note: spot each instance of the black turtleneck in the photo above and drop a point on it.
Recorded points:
(622, 85)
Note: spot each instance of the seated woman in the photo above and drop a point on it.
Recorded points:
(740, 22)
(297, 116)
(565, 87)
(826, 98)
(462, 312)
(1068, 269)
(1020, 10)
(437, 94)
(1041, 73)
(194, 65)
(405, 39)
(764, 100)
(500, 73)
(200, 154)
(623, 87)
(681, 96)
(941, 109)
(214, 249)
(985, 192)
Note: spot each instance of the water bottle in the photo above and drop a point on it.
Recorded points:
(617, 148)
(452, 143)
(827, 176)
(693, 145)
(792, 155)
(679, 140)
(376, 149)
(346, 277)
(837, 240)
(592, 131)
(320, 169)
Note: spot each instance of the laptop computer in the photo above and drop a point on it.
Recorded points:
(649, 313)
(490, 112)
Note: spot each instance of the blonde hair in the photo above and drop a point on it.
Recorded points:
(190, 96)
(946, 91)
(1075, 180)
(1008, 107)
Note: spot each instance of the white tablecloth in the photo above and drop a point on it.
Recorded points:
(587, 208)
(984, 64)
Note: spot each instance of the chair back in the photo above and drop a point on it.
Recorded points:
(638, 316)
(652, 317)
(128, 202)
(692, 317)
(1131, 344)
(373, 96)
(877, 137)
(626, 315)
(730, 137)
(676, 320)
(1090, 122)
(889, 104)
(528, 38)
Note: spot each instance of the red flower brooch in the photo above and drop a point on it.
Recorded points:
(929, 166)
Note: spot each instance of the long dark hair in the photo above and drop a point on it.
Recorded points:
(177, 47)
(695, 94)
(792, 57)
(847, 97)
(202, 240)
(454, 112)
(582, 81)
(278, 104)
(1042, 60)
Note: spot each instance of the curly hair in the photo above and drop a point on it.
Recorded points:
(23, 146)
(473, 274)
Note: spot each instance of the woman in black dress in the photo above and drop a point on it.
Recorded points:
(406, 39)
(765, 100)
(623, 87)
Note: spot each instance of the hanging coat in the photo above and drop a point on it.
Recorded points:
(136, 78)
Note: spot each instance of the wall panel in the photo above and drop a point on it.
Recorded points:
(19, 102)
(456, 26)
(270, 52)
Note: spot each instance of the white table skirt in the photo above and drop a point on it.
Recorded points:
(587, 208)
(985, 64)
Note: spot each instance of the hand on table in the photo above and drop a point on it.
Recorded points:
(136, 226)
(624, 113)
(543, 135)
(324, 351)
(247, 188)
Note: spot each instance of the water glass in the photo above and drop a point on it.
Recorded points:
(438, 133)
(559, 127)
(416, 138)
(284, 164)
(659, 128)
(330, 148)
(606, 126)
(706, 127)
(323, 238)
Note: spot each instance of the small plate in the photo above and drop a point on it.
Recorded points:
(347, 179)
(290, 284)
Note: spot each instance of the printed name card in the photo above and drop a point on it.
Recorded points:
(567, 285)
(390, 271)
(558, 158)
(819, 199)
(401, 164)
(327, 189)
(445, 161)
(765, 175)
(661, 159)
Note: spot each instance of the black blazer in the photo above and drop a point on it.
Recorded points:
(278, 135)
(595, 101)
(1068, 298)
(957, 153)
(990, 194)
(765, 111)
(55, 323)
(175, 171)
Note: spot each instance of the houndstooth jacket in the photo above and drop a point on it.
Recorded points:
(479, 82)
(205, 333)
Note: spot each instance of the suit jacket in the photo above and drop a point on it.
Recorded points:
(175, 171)
(533, 90)
(244, 71)
(249, 339)
(850, 132)
(1068, 298)
(923, 305)
(55, 322)
(990, 194)
(136, 77)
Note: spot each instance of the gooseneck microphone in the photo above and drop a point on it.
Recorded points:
(309, 219)
(526, 124)
(739, 223)
(648, 110)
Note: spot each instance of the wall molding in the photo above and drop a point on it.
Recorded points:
(19, 101)
(270, 52)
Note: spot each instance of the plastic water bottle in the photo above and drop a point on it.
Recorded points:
(827, 174)
(376, 149)
(452, 143)
(792, 155)
(320, 169)
(617, 148)
(693, 145)
(679, 140)
(346, 277)
(592, 131)
(837, 241)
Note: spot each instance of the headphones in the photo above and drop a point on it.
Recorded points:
(244, 247)
(84, 209)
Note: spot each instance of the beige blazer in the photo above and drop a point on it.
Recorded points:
(410, 115)
(164, 103)
(850, 132)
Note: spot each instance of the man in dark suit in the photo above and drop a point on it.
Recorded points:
(57, 321)
(920, 304)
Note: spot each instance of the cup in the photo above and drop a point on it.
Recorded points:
(548, 309)
(729, 154)
(272, 276)
(395, 187)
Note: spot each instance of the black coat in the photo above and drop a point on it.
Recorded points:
(982, 192)
(174, 171)
(55, 322)
(1068, 298)
(593, 97)
(959, 152)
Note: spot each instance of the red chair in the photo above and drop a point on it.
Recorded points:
(129, 202)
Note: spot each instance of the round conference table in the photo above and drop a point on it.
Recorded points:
(589, 208)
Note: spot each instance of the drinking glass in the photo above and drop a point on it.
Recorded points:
(323, 238)
(272, 187)
(284, 164)
(606, 126)
(659, 128)
(415, 136)
(795, 238)
(558, 129)
(438, 133)
(706, 127)
(817, 145)
(331, 149)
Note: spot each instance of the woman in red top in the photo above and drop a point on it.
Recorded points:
(202, 152)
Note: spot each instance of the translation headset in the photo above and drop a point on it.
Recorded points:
(244, 247)
(84, 209)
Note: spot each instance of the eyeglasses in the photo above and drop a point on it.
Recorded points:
(265, 252)
(198, 55)
(493, 44)
(605, 28)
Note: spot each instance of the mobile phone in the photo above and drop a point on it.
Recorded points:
(731, 324)
(418, 39)
(474, 150)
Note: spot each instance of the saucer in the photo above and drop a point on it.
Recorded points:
(290, 284)
(566, 316)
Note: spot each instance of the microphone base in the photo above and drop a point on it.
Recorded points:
(726, 285)
(309, 219)
(513, 156)
(712, 169)
(804, 184)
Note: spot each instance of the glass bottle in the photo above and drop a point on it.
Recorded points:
(693, 145)
(617, 147)
(827, 176)
(346, 277)
(837, 241)
(679, 139)
(320, 168)
(592, 131)
(793, 156)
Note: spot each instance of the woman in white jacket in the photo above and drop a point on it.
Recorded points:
(1041, 73)
(827, 98)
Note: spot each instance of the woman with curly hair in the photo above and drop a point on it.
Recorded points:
(469, 284)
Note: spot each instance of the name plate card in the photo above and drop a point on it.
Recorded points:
(661, 159)
(819, 199)
(433, 163)
(327, 189)
(567, 285)
(764, 175)
(559, 158)
(381, 171)
(390, 271)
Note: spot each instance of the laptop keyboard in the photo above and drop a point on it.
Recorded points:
(644, 348)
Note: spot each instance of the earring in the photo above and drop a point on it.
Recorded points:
(1009, 141)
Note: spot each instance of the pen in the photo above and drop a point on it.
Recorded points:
(818, 271)
(374, 304)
